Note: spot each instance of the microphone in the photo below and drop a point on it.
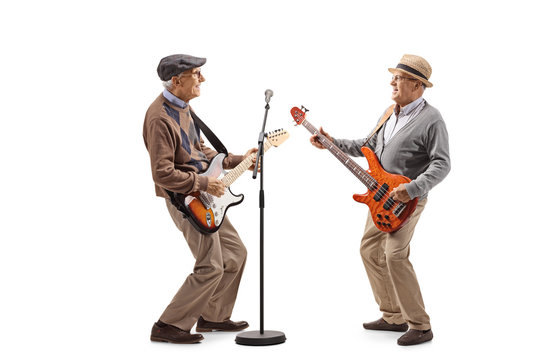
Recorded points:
(268, 93)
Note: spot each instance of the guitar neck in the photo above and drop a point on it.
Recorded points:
(349, 163)
(235, 173)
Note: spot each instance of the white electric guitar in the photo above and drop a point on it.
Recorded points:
(206, 212)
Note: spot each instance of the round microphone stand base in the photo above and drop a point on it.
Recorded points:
(255, 338)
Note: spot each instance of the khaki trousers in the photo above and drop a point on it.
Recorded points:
(391, 274)
(210, 291)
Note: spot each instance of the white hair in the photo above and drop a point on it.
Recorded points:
(167, 84)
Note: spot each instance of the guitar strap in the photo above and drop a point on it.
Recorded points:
(383, 120)
(216, 143)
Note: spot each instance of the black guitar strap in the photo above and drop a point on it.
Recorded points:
(216, 143)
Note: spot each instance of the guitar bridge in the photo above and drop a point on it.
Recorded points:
(399, 209)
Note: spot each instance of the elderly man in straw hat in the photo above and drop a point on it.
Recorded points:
(178, 156)
(411, 140)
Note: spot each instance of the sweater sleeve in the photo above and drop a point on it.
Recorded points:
(232, 160)
(228, 163)
(353, 147)
(161, 147)
(439, 165)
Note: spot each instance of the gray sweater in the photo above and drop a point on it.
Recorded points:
(419, 151)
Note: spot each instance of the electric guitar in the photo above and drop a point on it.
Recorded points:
(206, 212)
(388, 214)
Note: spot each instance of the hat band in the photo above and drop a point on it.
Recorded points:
(411, 70)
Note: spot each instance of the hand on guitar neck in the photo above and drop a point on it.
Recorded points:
(254, 152)
(314, 139)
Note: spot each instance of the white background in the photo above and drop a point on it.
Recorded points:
(89, 256)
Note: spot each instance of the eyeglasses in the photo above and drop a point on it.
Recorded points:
(398, 78)
(197, 74)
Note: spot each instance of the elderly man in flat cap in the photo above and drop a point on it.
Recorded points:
(411, 140)
(178, 156)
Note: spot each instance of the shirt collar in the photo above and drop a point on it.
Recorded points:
(407, 109)
(174, 100)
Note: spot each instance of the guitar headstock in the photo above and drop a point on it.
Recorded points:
(277, 137)
(299, 115)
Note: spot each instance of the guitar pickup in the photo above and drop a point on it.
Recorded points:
(381, 192)
(388, 204)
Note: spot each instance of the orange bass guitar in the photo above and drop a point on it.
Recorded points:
(388, 214)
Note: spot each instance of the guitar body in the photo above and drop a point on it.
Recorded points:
(388, 215)
(204, 211)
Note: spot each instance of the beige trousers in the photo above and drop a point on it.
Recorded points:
(391, 274)
(210, 291)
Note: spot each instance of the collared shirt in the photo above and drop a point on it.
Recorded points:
(174, 100)
(406, 114)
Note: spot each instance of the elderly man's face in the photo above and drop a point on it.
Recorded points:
(188, 84)
(405, 89)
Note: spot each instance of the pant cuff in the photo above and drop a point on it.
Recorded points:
(420, 327)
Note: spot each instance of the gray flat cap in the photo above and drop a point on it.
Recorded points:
(173, 65)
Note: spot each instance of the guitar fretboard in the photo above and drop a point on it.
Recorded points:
(349, 163)
(235, 173)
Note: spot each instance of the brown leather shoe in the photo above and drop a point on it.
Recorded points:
(206, 326)
(169, 333)
(381, 324)
(415, 337)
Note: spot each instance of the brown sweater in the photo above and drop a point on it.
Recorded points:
(177, 154)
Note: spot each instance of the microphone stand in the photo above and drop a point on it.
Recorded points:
(261, 337)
